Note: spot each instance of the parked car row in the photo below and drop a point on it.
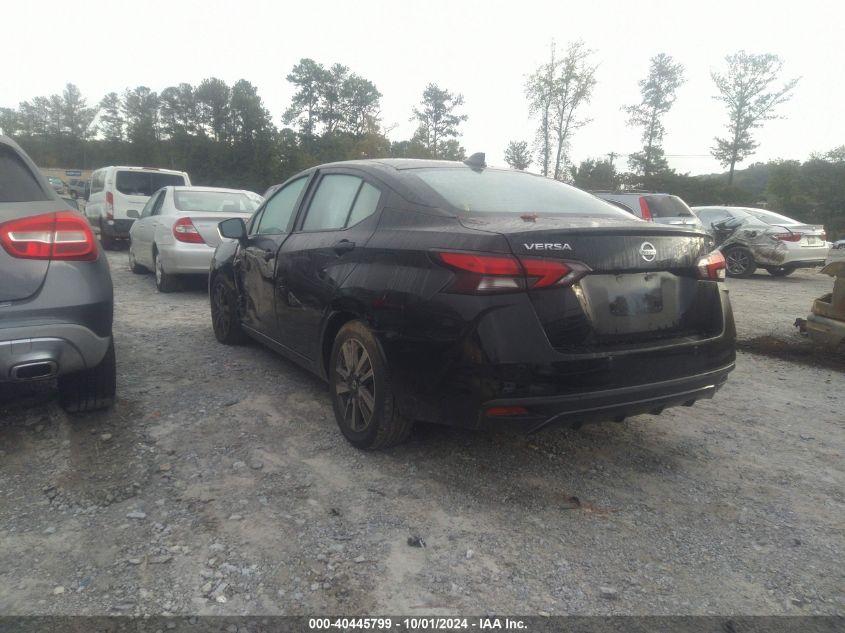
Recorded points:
(436, 291)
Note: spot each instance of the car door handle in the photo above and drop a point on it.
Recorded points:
(343, 246)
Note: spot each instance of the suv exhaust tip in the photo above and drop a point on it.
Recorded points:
(39, 370)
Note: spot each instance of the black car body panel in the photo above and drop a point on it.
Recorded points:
(635, 334)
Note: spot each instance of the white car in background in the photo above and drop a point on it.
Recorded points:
(176, 232)
(750, 238)
(115, 191)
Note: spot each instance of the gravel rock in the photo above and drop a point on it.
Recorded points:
(136, 514)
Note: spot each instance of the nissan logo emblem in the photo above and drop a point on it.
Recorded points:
(647, 251)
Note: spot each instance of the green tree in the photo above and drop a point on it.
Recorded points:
(76, 115)
(309, 78)
(517, 155)
(594, 174)
(360, 105)
(556, 93)
(33, 116)
(112, 123)
(746, 90)
(657, 92)
(140, 109)
(179, 111)
(9, 122)
(438, 121)
(212, 97)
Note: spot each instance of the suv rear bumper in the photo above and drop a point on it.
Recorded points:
(608, 404)
(116, 228)
(46, 351)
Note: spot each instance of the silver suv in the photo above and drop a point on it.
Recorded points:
(663, 208)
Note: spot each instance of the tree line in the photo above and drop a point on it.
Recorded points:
(225, 135)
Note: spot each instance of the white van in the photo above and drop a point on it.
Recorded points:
(117, 190)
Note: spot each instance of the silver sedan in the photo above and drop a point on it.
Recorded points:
(176, 232)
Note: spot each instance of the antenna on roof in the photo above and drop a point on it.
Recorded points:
(476, 161)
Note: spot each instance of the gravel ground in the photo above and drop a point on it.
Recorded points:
(768, 306)
(219, 484)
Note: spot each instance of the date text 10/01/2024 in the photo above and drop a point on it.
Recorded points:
(417, 624)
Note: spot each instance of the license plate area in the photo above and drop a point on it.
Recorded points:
(634, 303)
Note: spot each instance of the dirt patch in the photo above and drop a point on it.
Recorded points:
(792, 350)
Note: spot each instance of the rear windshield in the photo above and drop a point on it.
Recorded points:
(667, 206)
(771, 218)
(499, 191)
(145, 183)
(17, 184)
(213, 201)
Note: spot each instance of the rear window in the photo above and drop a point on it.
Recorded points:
(145, 183)
(17, 183)
(499, 191)
(770, 217)
(667, 207)
(213, 201)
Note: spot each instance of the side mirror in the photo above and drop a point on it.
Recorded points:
(132, 213)
(233, 229)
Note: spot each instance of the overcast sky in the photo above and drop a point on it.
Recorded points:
(482, 49)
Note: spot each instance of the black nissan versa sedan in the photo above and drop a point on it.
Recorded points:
(455, 293)
(55, 290)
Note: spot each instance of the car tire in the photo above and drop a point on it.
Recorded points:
(134, 266)
(91, 389)
(165, 282)
(359, 380)
(224, 313)
(739, 262)
(780, 271)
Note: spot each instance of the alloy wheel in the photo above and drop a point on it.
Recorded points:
(737, 262)
(355, 386)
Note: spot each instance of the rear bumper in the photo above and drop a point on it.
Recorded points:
(46, 351)
(804, 259)
(186, 259)
(116, 228)
(829, 333)
(609, 404)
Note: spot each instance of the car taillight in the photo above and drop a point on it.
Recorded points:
(185, 231)
(712, 266)
(788, 237)
(109, 205)
(65, 235)
(645, 210)
(481, 273)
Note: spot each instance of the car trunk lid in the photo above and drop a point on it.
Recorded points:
(642, 285)
(206, 223)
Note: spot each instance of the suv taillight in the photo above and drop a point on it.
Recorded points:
(645, 210)
(185, 231)
(65, 235)
(712, 266)
(483, 273)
